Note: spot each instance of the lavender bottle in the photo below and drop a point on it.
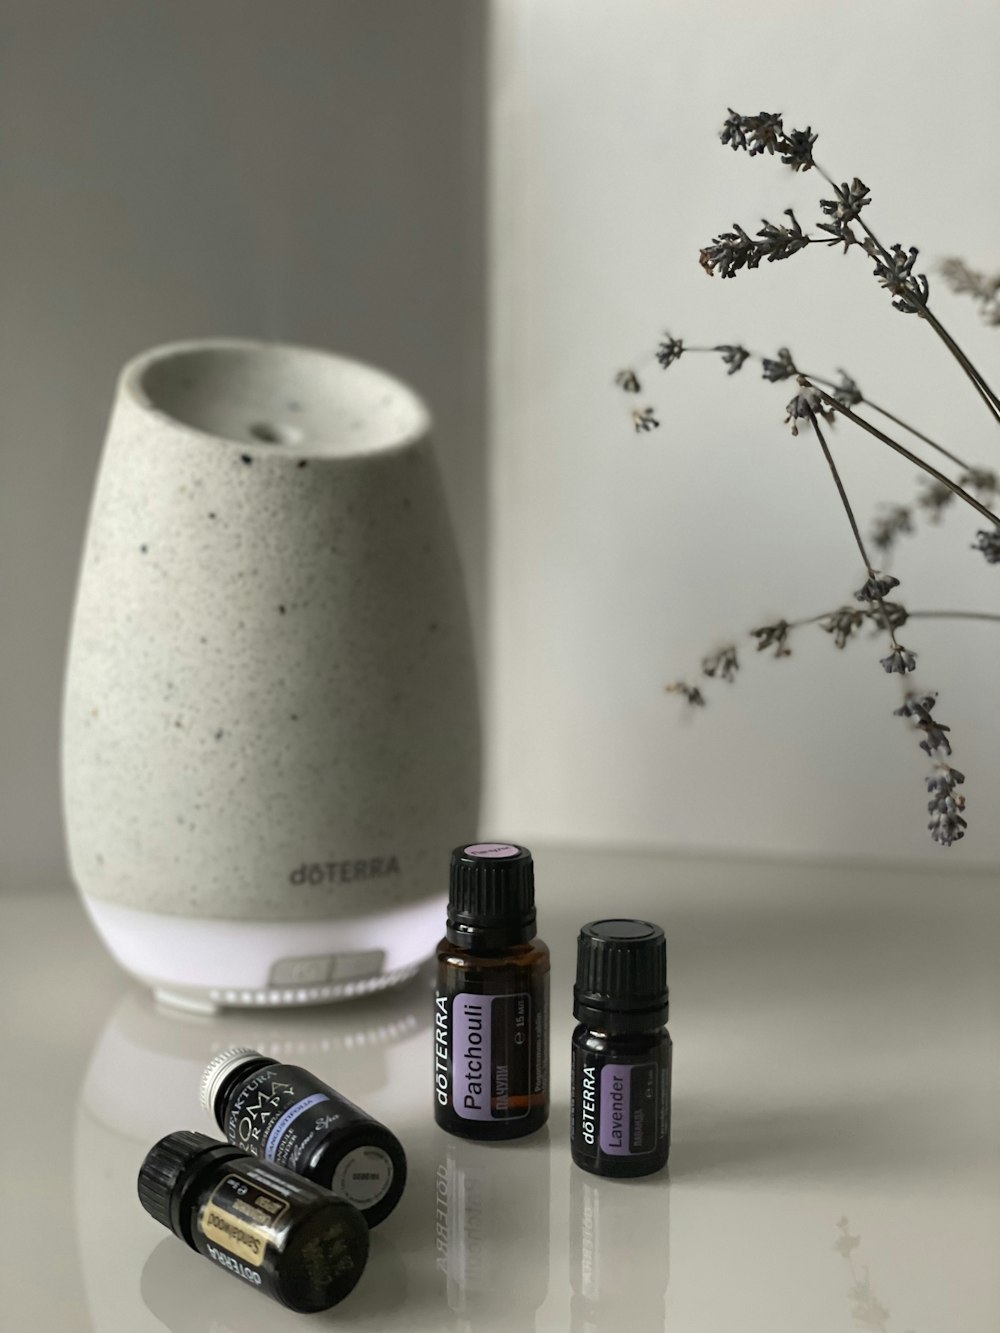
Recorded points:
(620, 1113)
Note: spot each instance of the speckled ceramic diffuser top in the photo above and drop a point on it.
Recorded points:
(270, 704)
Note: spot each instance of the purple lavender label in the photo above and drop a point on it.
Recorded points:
(500, 849)
(629, 1097)
(471, 1073)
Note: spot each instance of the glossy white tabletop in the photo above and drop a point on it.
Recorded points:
(835, 1158)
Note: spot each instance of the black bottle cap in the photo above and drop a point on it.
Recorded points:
(165, 1165)
(491, 893)
(621, 974)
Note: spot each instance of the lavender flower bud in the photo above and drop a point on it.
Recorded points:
(781, 367)
(733, 356)
(691, 693)
(669, 351)
(888, 615)
(796, 149)
(876, 587)
(916, 705)
(842, 623)
(724, 663)
(806, 404)
(643, 419)
(847, 392)
(900, 660)
(989, 544)
(773, 636)
(896, 276)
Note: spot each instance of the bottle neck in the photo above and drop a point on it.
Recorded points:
(232, 1081)
(621, 1022)
(491, 938)
(198, 1175)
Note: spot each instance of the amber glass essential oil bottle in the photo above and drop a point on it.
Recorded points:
(620, 1108)
(491, 1034)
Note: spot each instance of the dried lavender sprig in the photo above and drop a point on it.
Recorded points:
(946, 806)
(844, 623)
(733, 250)
(947, 823)
(783, 367)
(917, 288)
(765, 132)
(844, 394)
(893, 266)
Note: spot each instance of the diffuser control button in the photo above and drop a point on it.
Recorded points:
(301, 971)
(332, 968)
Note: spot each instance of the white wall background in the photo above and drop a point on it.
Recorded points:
(309, 171)
(618, 559)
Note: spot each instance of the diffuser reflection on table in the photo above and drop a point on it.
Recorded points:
(270, 722)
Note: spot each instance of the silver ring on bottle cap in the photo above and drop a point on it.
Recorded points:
(217, 1069)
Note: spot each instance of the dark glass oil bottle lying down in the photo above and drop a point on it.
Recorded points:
(265, 1226)
(286, 1115)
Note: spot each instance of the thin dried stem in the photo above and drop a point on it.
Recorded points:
(979, 383)
(911, 457)
(872, 574)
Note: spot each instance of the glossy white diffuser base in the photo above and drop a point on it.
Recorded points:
(205, 964)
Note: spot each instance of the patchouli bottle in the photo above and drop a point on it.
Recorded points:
(491, 1036)
(620, 1113)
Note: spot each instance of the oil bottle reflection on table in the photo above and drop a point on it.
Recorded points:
(491, 1230)
(619, 1247)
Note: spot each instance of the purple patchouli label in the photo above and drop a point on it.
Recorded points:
(471, 1063)
(498, 849)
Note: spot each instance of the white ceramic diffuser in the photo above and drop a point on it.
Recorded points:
(270, 731)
